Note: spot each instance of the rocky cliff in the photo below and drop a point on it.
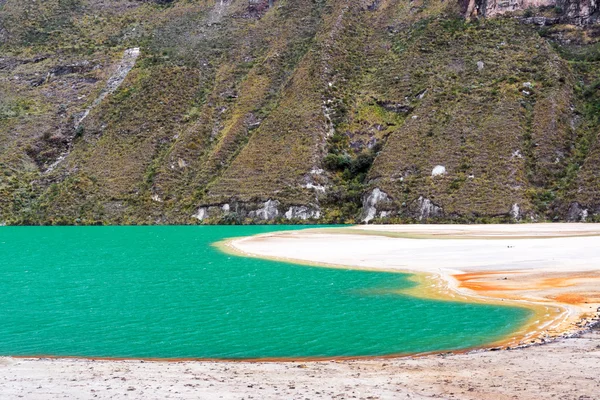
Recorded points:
(236, 111)
(580, 12)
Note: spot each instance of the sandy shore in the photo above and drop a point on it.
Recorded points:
(565, 369)
(553, 268)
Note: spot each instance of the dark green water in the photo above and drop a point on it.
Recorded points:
(165, 292)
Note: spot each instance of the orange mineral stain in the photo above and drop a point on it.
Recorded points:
(487, 281)
(560, 299)
(570, 298)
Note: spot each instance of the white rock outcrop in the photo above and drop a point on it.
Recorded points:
(267, 212)
(317, 188)
(427, 209)
(370, 203)
(515, 212)
(301, 212)
(201, 214)
(438, 170)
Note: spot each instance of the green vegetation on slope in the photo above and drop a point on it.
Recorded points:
(309, 104)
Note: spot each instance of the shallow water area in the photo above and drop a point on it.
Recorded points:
(167, 292)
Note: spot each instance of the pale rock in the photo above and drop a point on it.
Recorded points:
(515, 212)
(318, 188)
(370, 204)
(329, 122)
(427, 209)
(584, 215)
(201, 214)
(438, 170)
(301, 212)
(517, 154)
(268, 211)
(580, 12)
(489, 8)
(577, 213)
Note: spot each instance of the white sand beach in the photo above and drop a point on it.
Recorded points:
(552, 267)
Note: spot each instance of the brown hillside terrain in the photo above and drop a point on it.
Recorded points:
(144, 112)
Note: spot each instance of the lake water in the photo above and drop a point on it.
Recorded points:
(166, 292)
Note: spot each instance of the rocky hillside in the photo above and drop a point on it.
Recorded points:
(238, 111)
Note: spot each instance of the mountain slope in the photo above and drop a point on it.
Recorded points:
(143, 112)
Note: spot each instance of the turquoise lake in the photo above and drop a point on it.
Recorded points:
(167, 292)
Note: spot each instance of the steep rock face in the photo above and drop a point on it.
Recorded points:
(259, 6)
(490, 8)
(270, 210)
(374, 205)
(302, 213)
(426, 209)
(577, 213)
(580, 12)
